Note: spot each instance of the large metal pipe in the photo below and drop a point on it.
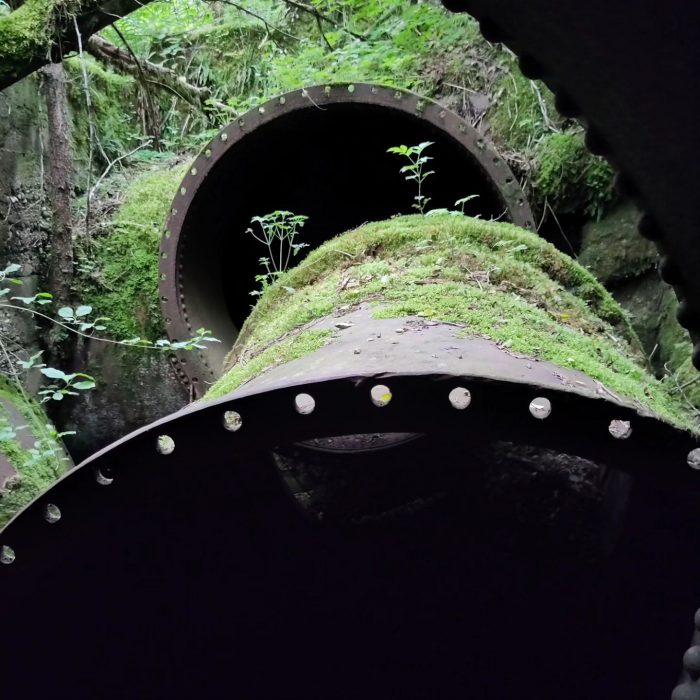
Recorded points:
(378, 522)
(321, 152)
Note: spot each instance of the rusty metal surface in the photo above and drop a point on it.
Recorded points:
(375, 347)
(197, 572)
(330, 164)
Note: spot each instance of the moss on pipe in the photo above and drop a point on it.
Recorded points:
(497, 280)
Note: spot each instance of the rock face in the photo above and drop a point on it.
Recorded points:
(24, 220)
(134, 387)
(612, 251)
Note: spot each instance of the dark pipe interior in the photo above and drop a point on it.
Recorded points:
(224, 590)
(330, 164)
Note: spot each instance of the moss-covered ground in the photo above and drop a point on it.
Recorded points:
(496, 280)
(119, 278)
(36, 471)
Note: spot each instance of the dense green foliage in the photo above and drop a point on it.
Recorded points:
(250, 52)
(25, 29)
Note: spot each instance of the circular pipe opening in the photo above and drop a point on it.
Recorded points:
(322, 153)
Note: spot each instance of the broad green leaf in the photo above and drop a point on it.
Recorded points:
(84, 385)
(53, 373)
(83, 310)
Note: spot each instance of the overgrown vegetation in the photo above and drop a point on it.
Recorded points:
(249, 52)
(118, 272)
(245, 53)
(132, 135)
(32, 449)
(495, 280)
(245, 56)
(569, 177)
(111, 97)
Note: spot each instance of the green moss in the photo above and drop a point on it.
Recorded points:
(36, 472)
(292, 348)
(112, 96)
(122, 281)
(674, 354)
(569, 177)
(517, 118)
(28, 33)
(496, 280)
(443, 249)
(23, 33)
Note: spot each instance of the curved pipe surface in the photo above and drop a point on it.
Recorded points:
(321, 152)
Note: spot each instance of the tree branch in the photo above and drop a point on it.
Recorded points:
(320, 17)
(41, 31)
(125, 62)
(271, 28)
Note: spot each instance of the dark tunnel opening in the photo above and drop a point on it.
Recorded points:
(334, 168)
(328, 162)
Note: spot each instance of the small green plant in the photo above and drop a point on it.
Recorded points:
(453, 212)
(415, 170)
(278, 232)
(461, 202)
(64, 384)
(76, 320)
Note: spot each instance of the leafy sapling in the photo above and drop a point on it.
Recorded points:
(64, 384)
(415, 170)
(278, 233)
